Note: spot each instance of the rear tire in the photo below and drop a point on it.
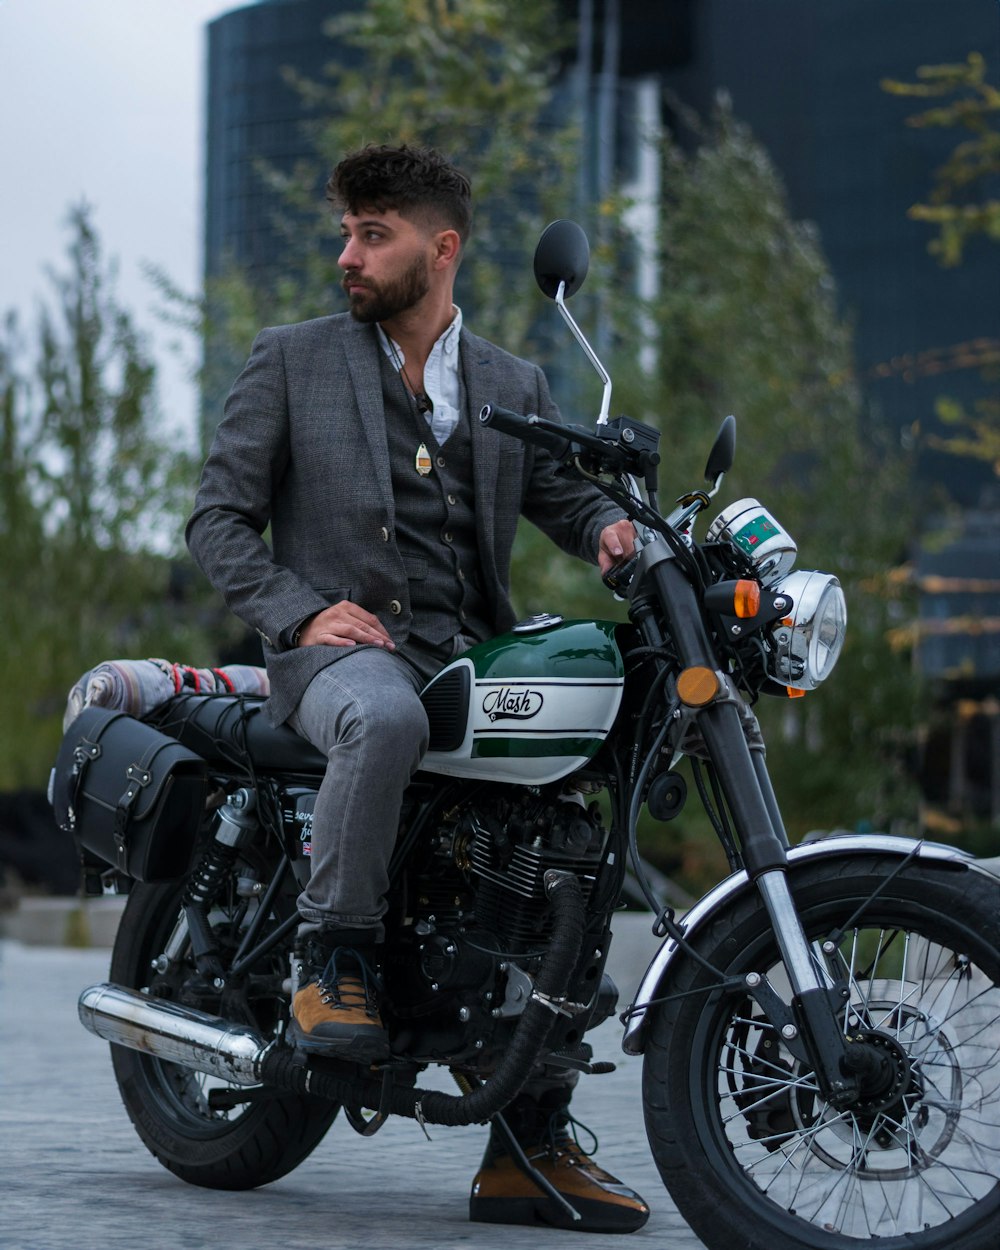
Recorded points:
(253, 1143)
(753, 1156)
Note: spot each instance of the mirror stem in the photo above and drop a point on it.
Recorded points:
(591, 355)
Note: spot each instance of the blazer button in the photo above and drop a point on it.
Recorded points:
(395, 607)
(385, 534)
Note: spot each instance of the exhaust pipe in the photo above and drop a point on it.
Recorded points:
(220, 1048)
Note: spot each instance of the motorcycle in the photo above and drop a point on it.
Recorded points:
(820, 1033)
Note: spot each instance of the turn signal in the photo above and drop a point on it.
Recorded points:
(746, 598)
(740, 598)
(697, 686)
(794, 693)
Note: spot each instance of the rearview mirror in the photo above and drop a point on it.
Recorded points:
(562, 255)
(723, 453)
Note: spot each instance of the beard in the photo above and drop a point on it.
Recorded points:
(383, 301)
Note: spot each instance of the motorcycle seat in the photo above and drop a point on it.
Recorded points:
(227, 728)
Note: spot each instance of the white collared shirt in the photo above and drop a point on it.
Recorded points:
(441, 379)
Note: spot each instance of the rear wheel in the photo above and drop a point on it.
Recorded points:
(190, 1133)
(751, 1152)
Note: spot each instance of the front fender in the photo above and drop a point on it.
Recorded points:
(840, 846)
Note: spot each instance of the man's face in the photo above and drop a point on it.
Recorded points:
(386, 262)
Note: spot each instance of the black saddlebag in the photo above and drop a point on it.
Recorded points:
(129, 794)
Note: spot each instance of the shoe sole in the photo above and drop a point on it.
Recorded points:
(595, 1216)
(360, 1046)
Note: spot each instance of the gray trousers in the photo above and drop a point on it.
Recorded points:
(364, 713)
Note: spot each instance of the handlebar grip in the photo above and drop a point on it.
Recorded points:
(529, 429)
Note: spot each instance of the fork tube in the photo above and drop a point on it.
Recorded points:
(767, 790)
(754, 810)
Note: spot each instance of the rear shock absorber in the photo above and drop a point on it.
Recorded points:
(236, 823)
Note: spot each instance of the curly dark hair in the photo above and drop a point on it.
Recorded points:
(416, 182)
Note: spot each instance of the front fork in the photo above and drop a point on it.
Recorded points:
(815, 999)
(750, 800)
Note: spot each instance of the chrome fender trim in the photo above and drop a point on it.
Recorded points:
(633, 1042)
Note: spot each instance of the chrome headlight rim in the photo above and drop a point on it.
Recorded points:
(807, 642)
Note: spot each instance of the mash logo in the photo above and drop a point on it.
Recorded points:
(508, 704)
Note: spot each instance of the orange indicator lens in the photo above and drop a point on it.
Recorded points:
(697, 686)
(746, 598)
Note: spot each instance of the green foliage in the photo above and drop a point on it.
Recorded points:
(91, 499)
(963, 201)
(746, 321)
(963, 204)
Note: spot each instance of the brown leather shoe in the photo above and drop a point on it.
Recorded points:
(335, 1013)
(502, 1193)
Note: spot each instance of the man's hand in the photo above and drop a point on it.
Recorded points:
(345, 625)
(617, 544)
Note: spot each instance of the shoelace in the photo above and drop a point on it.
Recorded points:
(560, 1138)
(334, 985)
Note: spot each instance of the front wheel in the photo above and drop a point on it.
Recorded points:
(754, 1157)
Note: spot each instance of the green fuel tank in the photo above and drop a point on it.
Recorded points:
(529, 707)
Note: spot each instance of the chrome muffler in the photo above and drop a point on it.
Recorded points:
(231, 1052)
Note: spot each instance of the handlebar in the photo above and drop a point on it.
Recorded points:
(618, 446)
(530, 429)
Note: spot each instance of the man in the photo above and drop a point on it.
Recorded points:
(392, 518)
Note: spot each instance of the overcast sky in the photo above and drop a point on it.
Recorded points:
(103, 101)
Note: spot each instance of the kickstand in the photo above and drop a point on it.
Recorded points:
(369, 1127)
(531, 1172)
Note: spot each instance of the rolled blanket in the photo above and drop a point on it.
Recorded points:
(138, 686)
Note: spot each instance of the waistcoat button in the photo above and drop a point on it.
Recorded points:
(395, 607)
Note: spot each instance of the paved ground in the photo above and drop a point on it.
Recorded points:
(76, 1177)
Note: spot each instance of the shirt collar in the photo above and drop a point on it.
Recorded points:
(447, 341)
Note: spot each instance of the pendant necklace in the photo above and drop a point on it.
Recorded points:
(422, 461)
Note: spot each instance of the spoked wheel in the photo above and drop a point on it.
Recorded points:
(195, 1135)
(752, 1153)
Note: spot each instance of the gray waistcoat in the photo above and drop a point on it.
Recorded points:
(435, 518)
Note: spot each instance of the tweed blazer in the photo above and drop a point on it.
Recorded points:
(302, 448)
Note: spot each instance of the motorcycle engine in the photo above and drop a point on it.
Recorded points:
(508, 846)
(477, 918)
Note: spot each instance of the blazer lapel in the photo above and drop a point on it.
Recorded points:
(479, 371)
(361, 348)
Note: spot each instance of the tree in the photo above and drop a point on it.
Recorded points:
(964, 200)
(746, 321)
(92, 495)
(963, 205)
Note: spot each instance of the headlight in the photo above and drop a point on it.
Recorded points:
(748, 525)
(806, 644)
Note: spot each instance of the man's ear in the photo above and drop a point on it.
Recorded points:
(447, 248)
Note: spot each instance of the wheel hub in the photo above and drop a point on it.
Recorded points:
(883, 1070)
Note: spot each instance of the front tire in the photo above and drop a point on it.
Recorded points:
(248, 1145)
(753, 1156)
